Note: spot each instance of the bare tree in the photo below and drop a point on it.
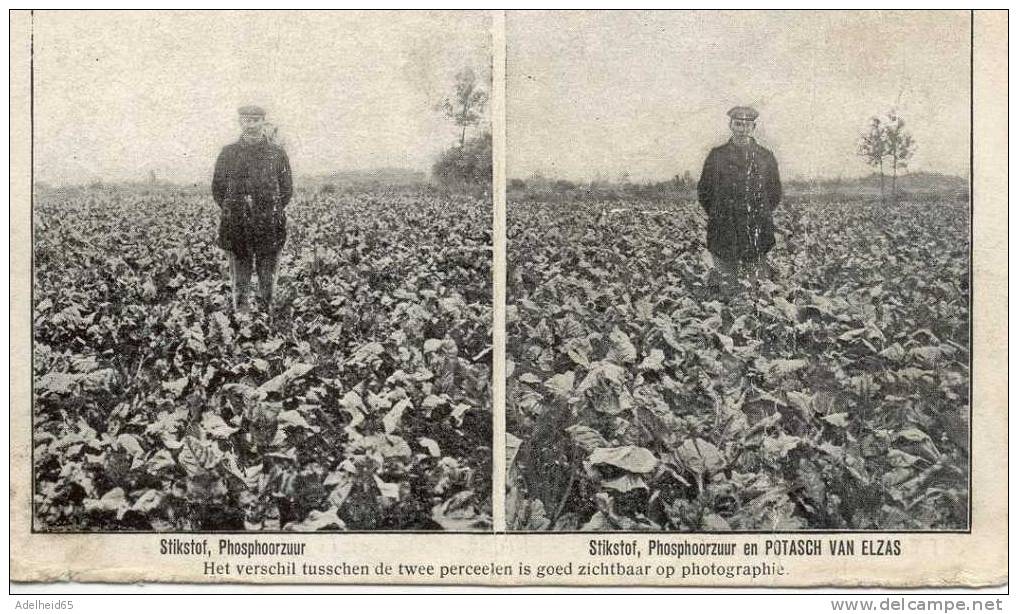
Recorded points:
(886, 138)
(872, 148)
(466, 106)
(899, 145)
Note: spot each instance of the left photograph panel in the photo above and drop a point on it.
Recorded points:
(262, 271)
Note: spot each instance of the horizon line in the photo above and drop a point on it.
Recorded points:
(427, 178)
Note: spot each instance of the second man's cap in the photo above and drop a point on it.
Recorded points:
(251, 110)
(746, 113)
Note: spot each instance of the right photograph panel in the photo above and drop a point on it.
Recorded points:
(738, 271)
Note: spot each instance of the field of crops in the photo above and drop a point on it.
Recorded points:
(363, 404)
(835, 396)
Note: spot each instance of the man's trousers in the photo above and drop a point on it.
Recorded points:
(242, 268)
(727, 271)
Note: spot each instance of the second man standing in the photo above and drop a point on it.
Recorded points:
(739, 189)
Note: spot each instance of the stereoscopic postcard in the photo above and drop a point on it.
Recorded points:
(509, 298)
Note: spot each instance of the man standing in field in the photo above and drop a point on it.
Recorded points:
(739, 189)
(252, 186)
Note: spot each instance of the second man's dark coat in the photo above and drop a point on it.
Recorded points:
(739, 189)
(252, 186)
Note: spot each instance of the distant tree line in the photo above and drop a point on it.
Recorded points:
(914, 186)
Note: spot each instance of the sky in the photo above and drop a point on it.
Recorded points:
(600, 93)
(118, 95)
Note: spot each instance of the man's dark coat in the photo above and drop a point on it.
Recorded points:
(252, 186)
(739, 189)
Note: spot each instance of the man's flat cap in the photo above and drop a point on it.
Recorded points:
(746, 113)
(251, 109)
